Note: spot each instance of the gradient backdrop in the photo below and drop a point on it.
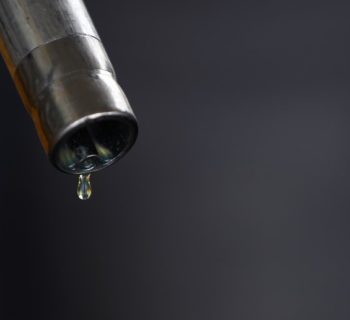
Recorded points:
(234, 203)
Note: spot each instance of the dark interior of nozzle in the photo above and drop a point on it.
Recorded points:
(94, 145)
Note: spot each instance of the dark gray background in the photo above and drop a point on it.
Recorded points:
(233, 204)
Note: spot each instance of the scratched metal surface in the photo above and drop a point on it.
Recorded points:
(37, 22)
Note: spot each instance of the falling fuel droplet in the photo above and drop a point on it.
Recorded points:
(84, 190)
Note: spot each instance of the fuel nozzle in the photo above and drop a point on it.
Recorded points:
(67, 83)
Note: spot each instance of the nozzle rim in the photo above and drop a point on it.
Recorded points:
(127, 118)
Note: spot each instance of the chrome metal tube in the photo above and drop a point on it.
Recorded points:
(67, 83)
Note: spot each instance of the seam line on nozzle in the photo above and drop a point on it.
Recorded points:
(73, 35)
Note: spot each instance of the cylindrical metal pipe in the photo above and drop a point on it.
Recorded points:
(67, 83)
